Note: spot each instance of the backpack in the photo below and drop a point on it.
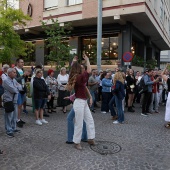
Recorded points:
(1, 90)
(142, 87)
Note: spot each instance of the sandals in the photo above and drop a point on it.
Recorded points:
(167, 125)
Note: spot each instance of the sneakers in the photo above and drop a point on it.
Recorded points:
(22, 121)
(38, 122)
(69, 142)
(103, 112)
(10, 135)
(16, 131)
(114, 117)
(19, 124)
(43, 121)
(78, 146)
(144, 114)
(25, 111)
(115, 122)
(93, 111)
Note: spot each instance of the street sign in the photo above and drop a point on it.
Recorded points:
(127, 63)
(127, 57)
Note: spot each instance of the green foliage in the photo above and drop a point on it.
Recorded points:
(30, 51)
(10, 43)
(57, 43)
(139, 61)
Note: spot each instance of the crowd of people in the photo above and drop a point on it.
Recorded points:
(84, 87)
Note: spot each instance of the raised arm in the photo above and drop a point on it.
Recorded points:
(87, 63)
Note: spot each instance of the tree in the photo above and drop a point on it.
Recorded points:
(57, 42)
(10, 43)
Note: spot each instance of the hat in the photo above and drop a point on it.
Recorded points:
(50, 71)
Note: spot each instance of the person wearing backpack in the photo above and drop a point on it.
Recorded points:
(147, 95)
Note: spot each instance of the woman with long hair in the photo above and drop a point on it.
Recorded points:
(77, 80)
(131, 83)
(119, 94)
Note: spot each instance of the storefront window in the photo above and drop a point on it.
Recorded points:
(109, 48)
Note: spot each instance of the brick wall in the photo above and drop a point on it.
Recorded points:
(37, 15)
(89, 8)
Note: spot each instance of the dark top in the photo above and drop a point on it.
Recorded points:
(130, 81)
(40, 88)
(80, 85)
(119, 90)
(168, 83)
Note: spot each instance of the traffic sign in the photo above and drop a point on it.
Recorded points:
(127, 63)
(127, 57)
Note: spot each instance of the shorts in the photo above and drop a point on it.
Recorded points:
(21, 99)
(39, 103)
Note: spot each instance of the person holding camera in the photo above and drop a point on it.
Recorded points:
(147, 95)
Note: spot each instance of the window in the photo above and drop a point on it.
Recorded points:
(73, 2)
(13, 3)
(50, 3)
(155, 4)
(109, 48)
(161, 10)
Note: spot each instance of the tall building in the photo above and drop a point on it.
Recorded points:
(138, 26)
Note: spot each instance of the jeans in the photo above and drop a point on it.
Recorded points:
(70, 127)
(111, 107)
(120, 111)
(146, 101)
(82, 112)
(93, 97)
(10, 120)
(106, 96)
(154, 102)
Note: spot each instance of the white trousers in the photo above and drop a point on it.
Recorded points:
(82, 112)
(167, 111)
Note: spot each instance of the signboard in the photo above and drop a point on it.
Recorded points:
(127, 63)
(73, 51)
(127, 57)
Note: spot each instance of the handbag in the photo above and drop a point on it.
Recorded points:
(24, 90)
(9, 106)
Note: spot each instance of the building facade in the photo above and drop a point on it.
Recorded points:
(138, 26)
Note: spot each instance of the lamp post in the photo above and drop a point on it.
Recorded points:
(99, 34)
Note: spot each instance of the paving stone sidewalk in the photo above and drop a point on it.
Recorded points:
(144, 142)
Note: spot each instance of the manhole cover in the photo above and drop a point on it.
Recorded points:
(104, 147)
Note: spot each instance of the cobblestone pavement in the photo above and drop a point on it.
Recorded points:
(144, 141)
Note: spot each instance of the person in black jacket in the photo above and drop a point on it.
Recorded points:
(41, 93)
(131, 83)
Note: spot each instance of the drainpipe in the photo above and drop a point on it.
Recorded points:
(99, 34)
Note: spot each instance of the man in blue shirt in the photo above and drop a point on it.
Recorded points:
(148, 94)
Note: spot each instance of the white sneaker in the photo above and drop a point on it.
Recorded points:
(38, 122)
(115, 122)
(103, 112)
(43, 121)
